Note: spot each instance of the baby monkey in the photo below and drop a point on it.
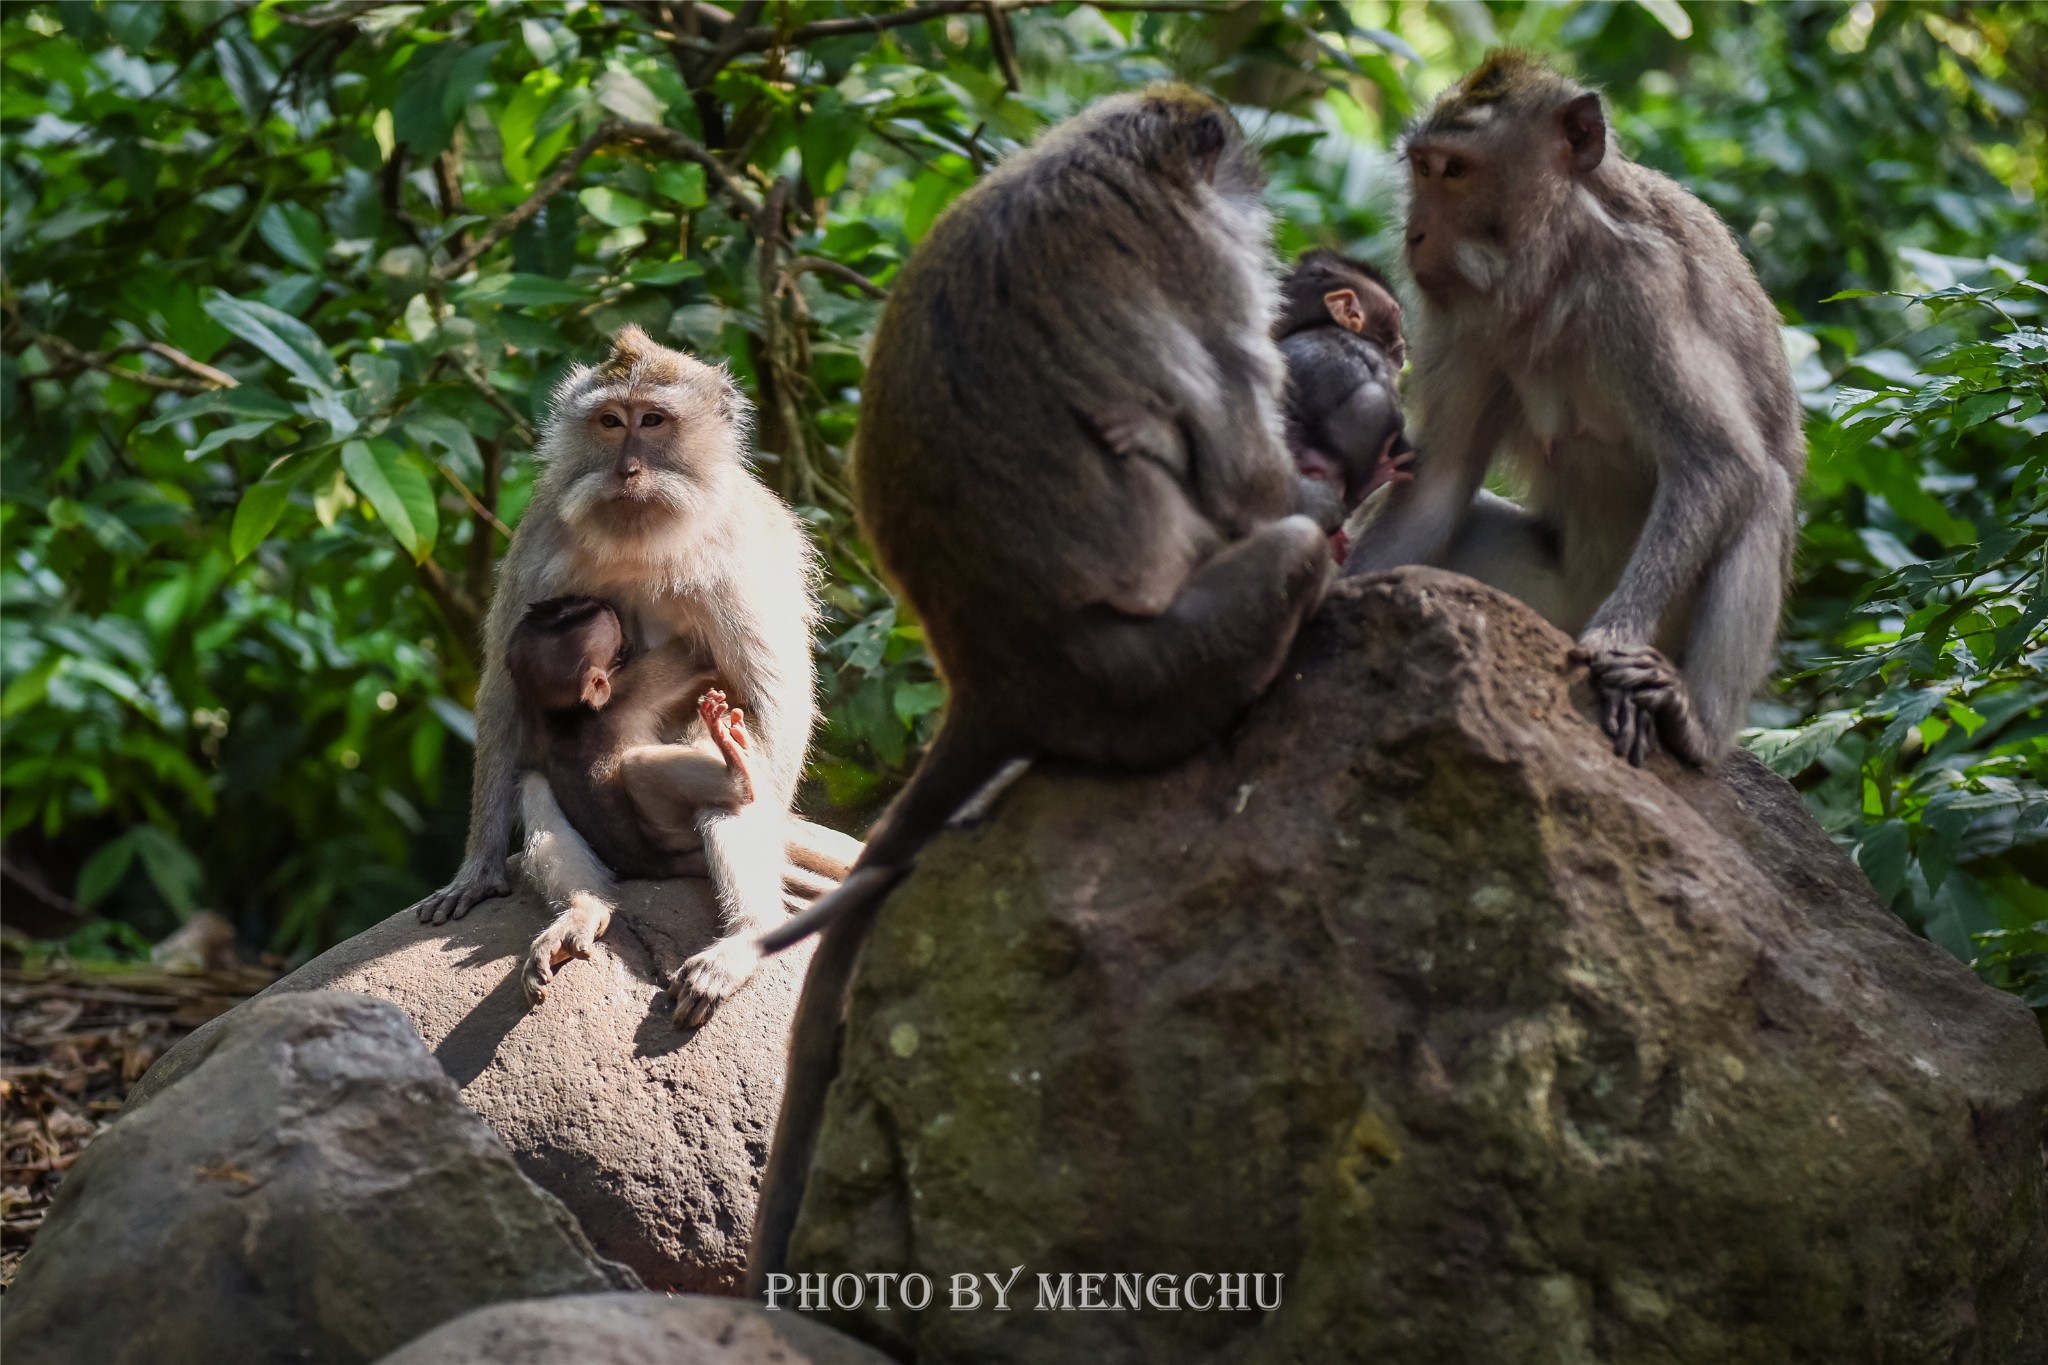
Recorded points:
(1339, 330)
(592, 704)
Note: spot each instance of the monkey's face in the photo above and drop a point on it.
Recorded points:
(1451, 245)
(647, 457)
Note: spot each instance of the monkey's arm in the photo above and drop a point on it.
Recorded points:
(500, 740)
(1714, 479)
(1424, 514)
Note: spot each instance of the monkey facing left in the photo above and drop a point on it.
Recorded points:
(645, 501)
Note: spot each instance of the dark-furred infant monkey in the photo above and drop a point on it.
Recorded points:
(592, 704)
(1339, 330)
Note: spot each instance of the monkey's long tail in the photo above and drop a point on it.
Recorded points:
(962, 763)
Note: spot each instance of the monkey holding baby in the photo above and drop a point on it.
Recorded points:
(1597, 325)
(645, 507)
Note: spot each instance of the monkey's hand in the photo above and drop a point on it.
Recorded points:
(475, 882)
(1642, 698)
(573, 934)
(703, 982)
(728, 727)
(1390, 467)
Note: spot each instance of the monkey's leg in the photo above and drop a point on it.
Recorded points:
(745, 850)
(1165, 685)
(669, 782)
(1505, 547)
(562, 866)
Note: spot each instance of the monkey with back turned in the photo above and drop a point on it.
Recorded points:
(1070, 461)
(1596, 325)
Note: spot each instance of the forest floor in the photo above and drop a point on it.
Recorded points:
(73, 1040)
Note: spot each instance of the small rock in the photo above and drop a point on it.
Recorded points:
(633, 1329)
(313, 1189)
(654, 1137)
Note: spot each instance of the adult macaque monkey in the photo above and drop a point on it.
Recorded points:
(644, 500)
(1596, 324)
(1070, 461)
(1339, 331)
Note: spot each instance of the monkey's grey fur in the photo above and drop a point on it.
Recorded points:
(1070, 460)
(1596, 325)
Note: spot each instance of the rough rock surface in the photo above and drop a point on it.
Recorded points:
(654, 1137)
(314, 1191)
(633, 1329)
(1498, 1049)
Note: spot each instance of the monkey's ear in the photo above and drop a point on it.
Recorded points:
(732, 404)
(1207, 137)
(597, 689)
(1345, 309)
(1585, 131)
(1370, 312)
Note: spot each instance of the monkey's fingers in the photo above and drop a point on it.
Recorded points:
(701, 984)
(736, 726)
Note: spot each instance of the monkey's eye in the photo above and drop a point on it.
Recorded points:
(652, 419)
(1421, 169)
(1453, 168)
(610, 419)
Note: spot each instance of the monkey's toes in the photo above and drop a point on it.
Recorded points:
(704, 982)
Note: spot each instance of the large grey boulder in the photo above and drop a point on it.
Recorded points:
(654, 1137)
(1494, 1047)
(633, 1329)
(313, 1191)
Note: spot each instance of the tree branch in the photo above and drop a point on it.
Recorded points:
(74, 359)
(498, 401)
(761, 39)
(802, 264)
(610, 131)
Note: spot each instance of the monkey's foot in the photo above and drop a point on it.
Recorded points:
(728, 728)
(454, 900)
(703, 982)
(1643, 698)
(573, 934)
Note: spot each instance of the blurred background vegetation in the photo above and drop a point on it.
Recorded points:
(285, 285)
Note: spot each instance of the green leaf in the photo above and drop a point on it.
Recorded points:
(295, 234)
(280, 336)
(523, 291)
(664, 272)
(681, 182)
(1981, 408)
(1853, 294)
(1883, 853)
(245, 400)
(615, 208)
(104, 870)
(1671, 15)
(1791, 752)
(429, 427)
(827, 140)
(398, 489)
(917, 699)
(240, 431)
(931, 193)
(263, 502)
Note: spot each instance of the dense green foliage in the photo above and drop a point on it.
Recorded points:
(285, 287)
